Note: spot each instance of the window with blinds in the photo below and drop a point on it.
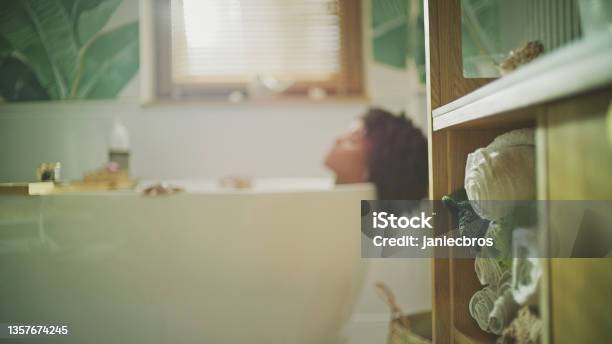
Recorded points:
(225, 44)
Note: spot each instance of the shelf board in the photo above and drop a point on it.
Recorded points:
(579, 67)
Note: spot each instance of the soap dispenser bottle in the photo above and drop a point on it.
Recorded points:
(119, 145)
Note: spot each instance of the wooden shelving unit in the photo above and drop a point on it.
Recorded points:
(565, 95)
(577, 68)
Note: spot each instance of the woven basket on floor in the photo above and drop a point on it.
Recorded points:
(405, 328)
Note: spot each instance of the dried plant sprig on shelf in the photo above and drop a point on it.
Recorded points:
(526, 328)
(521, 56)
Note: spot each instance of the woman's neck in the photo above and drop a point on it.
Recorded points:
(349, 179)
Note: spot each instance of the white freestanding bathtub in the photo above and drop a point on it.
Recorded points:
(279, 263)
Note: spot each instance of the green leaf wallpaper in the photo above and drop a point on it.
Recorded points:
(389, 31)
(398, 33)
(56, 49)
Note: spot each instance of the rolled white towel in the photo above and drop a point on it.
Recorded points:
(526, 273)
(488, 271)
(481, 305)
(526, 269)
(505, 282)
(497, 177)
(518, 137)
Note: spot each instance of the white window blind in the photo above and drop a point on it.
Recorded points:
(229, 41)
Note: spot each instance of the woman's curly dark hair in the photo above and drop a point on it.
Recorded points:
(398, 158)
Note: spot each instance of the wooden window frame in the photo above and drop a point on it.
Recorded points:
(349, 82)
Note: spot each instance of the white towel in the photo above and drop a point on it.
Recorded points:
(503, 172)
(526, 268)
(517, 137)
(481, 305)
(493, 305)
(504, 311)
(488, 271)
(526, 274)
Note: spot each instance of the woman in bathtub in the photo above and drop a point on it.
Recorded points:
(386, 150)
(381, 148)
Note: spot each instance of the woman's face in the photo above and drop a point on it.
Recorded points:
(348, 158)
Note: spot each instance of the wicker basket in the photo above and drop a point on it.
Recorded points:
(405, 328)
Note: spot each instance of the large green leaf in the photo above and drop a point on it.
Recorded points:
(92, 16)
(88, 17)
(52, 23)
(75, 7)
(17, 31)
(416, 39)
(18, 82)
(110, 61)
(389, 30)
(5, 47)
(41, 31)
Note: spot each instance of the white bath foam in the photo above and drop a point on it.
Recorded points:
(256, 185)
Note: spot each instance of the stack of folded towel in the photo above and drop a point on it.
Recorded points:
(495, 178)
(493, 307)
